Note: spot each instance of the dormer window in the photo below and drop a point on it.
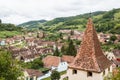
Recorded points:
(74, 71)
(89, 74)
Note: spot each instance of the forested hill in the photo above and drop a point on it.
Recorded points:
(9, 30)
(105, 21)
(32, 24)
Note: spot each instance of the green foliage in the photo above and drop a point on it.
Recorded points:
(113, 38)
(8, 34)
(116, 29)
(117, 76)
(69, 49)
(9, 30)
(53, 37)
(77, 42)
(36, 64)
(63, 50)
(33, 24)
(56, 52)
(117, 46)
(55, 75)
(71, 32)
(9, 27)
(61, 36)
(0, 21)
(9, 68)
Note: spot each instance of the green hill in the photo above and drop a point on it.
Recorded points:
(105, 21)
(9, 30)
(32, 24)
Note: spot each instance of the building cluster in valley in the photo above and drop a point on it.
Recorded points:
(90, 63)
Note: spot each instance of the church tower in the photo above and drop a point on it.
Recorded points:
(90, 63)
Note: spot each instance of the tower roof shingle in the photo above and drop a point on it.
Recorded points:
(90, 56)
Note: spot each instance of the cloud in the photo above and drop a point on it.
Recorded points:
(19, 11)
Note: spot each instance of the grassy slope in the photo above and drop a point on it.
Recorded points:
(4, 34)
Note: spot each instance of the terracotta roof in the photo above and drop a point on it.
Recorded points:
(50, 61)
(116, 62)
(90, 56)
(33, 72)
(68, 59)
(116, 53)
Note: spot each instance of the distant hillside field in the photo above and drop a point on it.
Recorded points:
(9, 30)
(104, 21)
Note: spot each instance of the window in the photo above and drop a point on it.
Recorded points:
(89, 74)
(74, 71)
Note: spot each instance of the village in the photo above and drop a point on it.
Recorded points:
(38, 46)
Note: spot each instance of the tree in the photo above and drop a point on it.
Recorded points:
(68, 39)
(113, 38)
(55, 75)
(9, 68)
(116, 76)
(63, 50)
(117, 46)
(72, 32)
(61, 36)
(0, 21)
(71, 50)
(56, 52)
(36, 64)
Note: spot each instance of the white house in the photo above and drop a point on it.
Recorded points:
(56, 63)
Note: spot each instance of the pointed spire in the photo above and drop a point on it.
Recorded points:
(90, 56)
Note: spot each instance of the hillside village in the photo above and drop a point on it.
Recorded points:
(40, 53)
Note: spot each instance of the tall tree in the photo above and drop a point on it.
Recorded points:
(72, 32)
(55, 75)
(63, 50)
(9, 68)
(56, 52)
(61, 36)
(71, 50)
(0, 21)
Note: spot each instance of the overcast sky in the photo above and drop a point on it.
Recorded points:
(19, 11)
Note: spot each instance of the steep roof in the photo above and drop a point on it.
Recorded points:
(50, 61)
(33, 72)
(90, 56)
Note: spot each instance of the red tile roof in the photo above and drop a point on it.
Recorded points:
(90, 56)
(68, 59)
(50, 61)
(33, 72)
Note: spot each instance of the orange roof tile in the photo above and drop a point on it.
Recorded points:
(68, 59)
(50, 61)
